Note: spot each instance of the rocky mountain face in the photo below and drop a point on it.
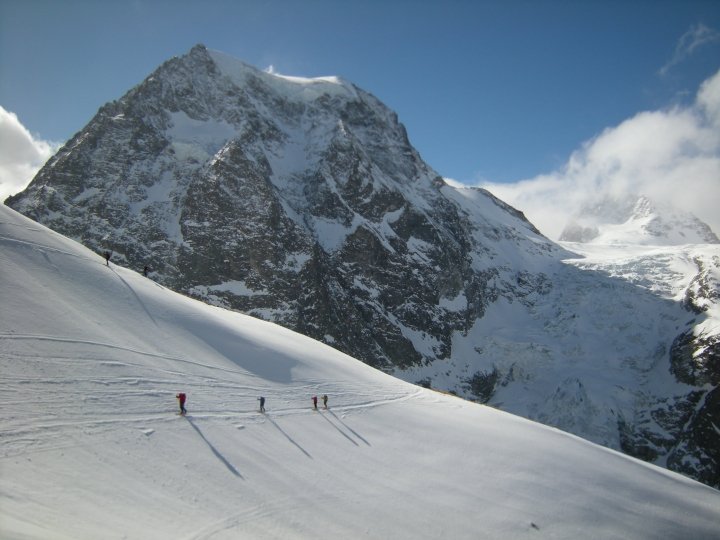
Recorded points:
(302, 201)
(299, 201)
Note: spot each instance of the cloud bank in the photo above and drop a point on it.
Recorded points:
(21, 155)
(669, 155)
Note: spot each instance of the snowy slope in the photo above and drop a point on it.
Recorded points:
(90, 445)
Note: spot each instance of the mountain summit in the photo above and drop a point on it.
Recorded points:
(638, 220)
(302, 201)
(296, 200)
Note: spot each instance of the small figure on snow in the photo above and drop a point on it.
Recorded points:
(262, 404)
(181, 397)
(107, 256)
(314, 400)
(325, 398)
(146, 271)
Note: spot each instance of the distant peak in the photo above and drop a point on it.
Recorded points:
(636, 219)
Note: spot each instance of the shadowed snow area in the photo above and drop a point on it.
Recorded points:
(91, 445)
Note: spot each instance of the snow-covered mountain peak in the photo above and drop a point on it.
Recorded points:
(300, 89)
(639, 220)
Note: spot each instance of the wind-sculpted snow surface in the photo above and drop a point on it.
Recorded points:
(302, 202)
(91, 446)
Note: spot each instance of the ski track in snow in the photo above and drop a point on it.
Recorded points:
(43, 247)
(139, 300)
(256, 512)
(76, 399)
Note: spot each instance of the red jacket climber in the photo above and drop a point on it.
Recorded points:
(181, 398)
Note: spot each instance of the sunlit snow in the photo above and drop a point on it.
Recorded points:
(91, 445)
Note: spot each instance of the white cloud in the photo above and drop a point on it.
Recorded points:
(688, 43)
(454, 183)
(709, 99)
(21, 155)
(670, 155)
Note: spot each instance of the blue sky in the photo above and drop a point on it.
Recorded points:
(490, 91)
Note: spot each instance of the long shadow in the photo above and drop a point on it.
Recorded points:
(340, 430)
(351, 430)
(214, 451)
(288, 437)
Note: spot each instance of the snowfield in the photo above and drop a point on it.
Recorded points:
(92, 447)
